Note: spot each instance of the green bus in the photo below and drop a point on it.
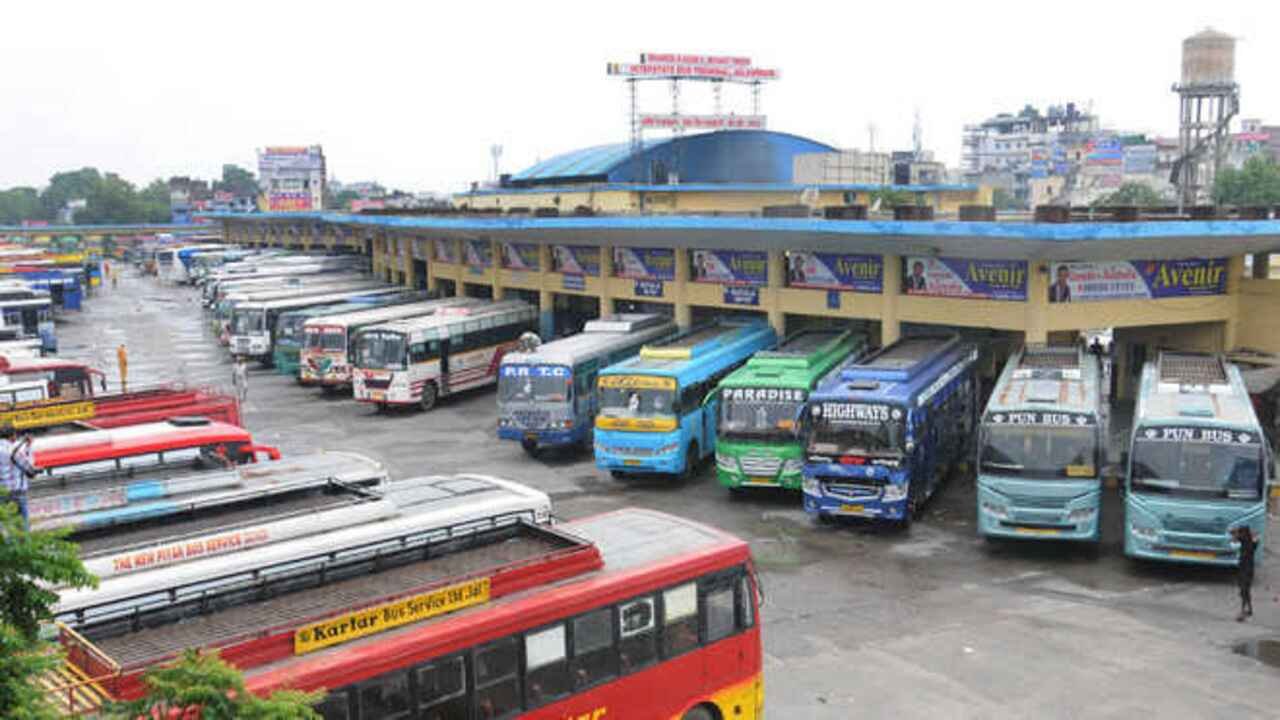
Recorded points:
(760, 402)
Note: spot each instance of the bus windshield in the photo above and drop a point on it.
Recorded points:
(546, 383)
(637, 402)
(248, 322)
(290, 326)
(763, 414)
(1038, 451)
(381, 351)
(1197, 469)
(836, 437)
(326, 339)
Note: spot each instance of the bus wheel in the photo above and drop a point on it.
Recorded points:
(702, 712)
(530, 447)
(617, 474)
(429, 395)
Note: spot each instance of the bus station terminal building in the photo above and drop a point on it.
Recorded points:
(607, 239)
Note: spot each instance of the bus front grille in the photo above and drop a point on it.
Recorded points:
(761, 465)
(1199, 526)
(1037, 501)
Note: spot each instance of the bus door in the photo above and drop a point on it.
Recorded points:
(585, 403)
(710, 416)
(444, 365)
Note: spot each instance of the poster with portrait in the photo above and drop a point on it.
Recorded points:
(519, 256)
(834, 271)
(446, 251)
(965, 278)
(479, 253)
(644, 263)
(729, 267)
(1136, 279)
(575, 259)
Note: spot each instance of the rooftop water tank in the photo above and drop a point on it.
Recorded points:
(1208, 58)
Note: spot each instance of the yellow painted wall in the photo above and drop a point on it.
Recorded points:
(1258, 323)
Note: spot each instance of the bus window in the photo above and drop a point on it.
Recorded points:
(442, 690)
(335, 706)
(637, 629)
(679, 620)
(497, 681)
(546, 665)
(720, 619)
(593, 656)
(746, 603)
(386, 697)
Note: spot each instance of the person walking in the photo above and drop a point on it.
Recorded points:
(240, 379)
(1244, 571)
(16, 471)
(122, 358)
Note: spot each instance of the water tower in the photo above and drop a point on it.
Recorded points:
(1208, 97)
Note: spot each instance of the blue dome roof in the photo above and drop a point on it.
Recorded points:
(726, 156)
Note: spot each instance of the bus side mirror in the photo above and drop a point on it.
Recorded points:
(711, 397)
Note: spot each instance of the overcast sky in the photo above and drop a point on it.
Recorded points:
(413, 94)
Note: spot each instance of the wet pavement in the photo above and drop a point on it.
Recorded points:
(859, 621)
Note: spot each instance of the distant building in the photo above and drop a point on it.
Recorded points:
(1028, 144)
(292, 178)
(842, 167)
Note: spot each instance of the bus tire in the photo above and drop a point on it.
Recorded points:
(690, 463)
(429, 395)
(617, 475)
(701, 712)
(530, 447)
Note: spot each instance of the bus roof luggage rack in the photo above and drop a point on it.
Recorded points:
(695, 342)
(1187, 368)
(1050, 357)
(902, 360)
(801, 345)
(624, 322)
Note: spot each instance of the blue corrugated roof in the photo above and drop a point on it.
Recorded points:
(720, 187)
(596, 160)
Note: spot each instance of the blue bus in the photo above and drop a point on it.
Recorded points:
(1041, 447)
(658, 412)
(1199, 465)
(883, 431)
(547, 392)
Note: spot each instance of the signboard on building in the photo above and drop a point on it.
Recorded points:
(519, 256)
(292, 178)
(479, 253)
(1137, 279)
(575, 259)
(729, 267)
(965, 278)
(833, 271)
(702, 122)
(694, 71)
(644, 263)
(446, 251)
(1140, 160)
(741, 295)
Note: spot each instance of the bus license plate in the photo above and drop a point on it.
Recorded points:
(629, 461)
(1192, 554)
(1036, 531)
(531, 437)
(379, 396)
(854, 509)
(756, 480)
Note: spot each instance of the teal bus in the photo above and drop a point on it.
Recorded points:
(756, 440)
(1199, 465)
(657, 413)
(290, 335)
(1041, 447)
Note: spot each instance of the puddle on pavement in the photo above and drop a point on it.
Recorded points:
(1264, 651)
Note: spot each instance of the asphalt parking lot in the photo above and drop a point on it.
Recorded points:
(859, 621)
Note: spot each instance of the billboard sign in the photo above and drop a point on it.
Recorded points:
(693, 71)
(575, 259)
(479, 253)
(519, 256)
(644, 263)
(446, 251)
(833, 271)
(694, 59)
(965, 278)
(1137, 279)
(702, 122)
(307, 159)
(288, 201)
(729, 267)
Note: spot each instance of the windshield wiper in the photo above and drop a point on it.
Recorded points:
(1003, 466)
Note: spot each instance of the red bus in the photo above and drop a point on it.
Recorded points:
(151, 444)
(66, 379)
(633, 613)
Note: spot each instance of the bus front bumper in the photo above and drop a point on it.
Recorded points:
(870, 508)
(612, 455)
(997, 517)
(545, 437)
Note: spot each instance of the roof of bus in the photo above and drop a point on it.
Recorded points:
(633, 565)
(456, 316)
(13, 366)
(387, 313)
(26, 302)
(322, 298)
(598, 337)
(1063, 379)
(691, 350)
(51, 451)
(272, 291)
(799, 361)
(1222, 401)
(896, 373)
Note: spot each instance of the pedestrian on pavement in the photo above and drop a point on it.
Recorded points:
(240, 378)
(122, 358)
(1244, 571)
(16, 471)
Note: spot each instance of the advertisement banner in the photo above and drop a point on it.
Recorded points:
(965, 278)
(741, 295)
(702, 122)
(729, 73)
(1137, 279)
(446, 251)
(832, 271)
(574, 282)
(649, 288)
(288, 201)
(575, 259)
(420, 249)
(729, 267)
(479, 253)
(519, 256)
(644, 263)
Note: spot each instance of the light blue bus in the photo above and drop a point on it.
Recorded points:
(1041, 448)
(658, 412)
(883, 431)
(1198, 465)
(547, 394)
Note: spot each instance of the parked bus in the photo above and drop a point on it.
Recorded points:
(419, 360)
(290, 336)
(882, 432)
(17, 349)
(547, 394)
(30, 315)
(172, 263)
(328, 352)
(760, 403)
(66, 379)
(652, 416)
(1198, 465)
(252, 329)
(221, 316)
(1041, 447)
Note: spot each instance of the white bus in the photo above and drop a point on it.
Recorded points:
(252, 329)
(419, 360)
(326, 351)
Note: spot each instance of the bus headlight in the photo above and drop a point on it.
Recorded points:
(894, 493)
(995, 510)
(811, 486)
(1081, 514)
(726, 463)
(504, 422)
(793, 465)
(667, 449)
(1144, 533)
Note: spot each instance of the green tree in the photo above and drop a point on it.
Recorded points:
(20, 662)
(20, 203)
(1131, 194)
(203, 680)
(340, 201)
(890, 198)
(1256, 183)
(237, 181)
(65, 186)
(31, 563)
(1002, 199)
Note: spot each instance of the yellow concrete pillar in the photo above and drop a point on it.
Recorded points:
(771, 295)
(495, 269)
(406, 260)
(1235, 274)
(1036, 324)
(305, 236)
(890, 327)
(684, 313)
(606, 280)
(430, 250)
